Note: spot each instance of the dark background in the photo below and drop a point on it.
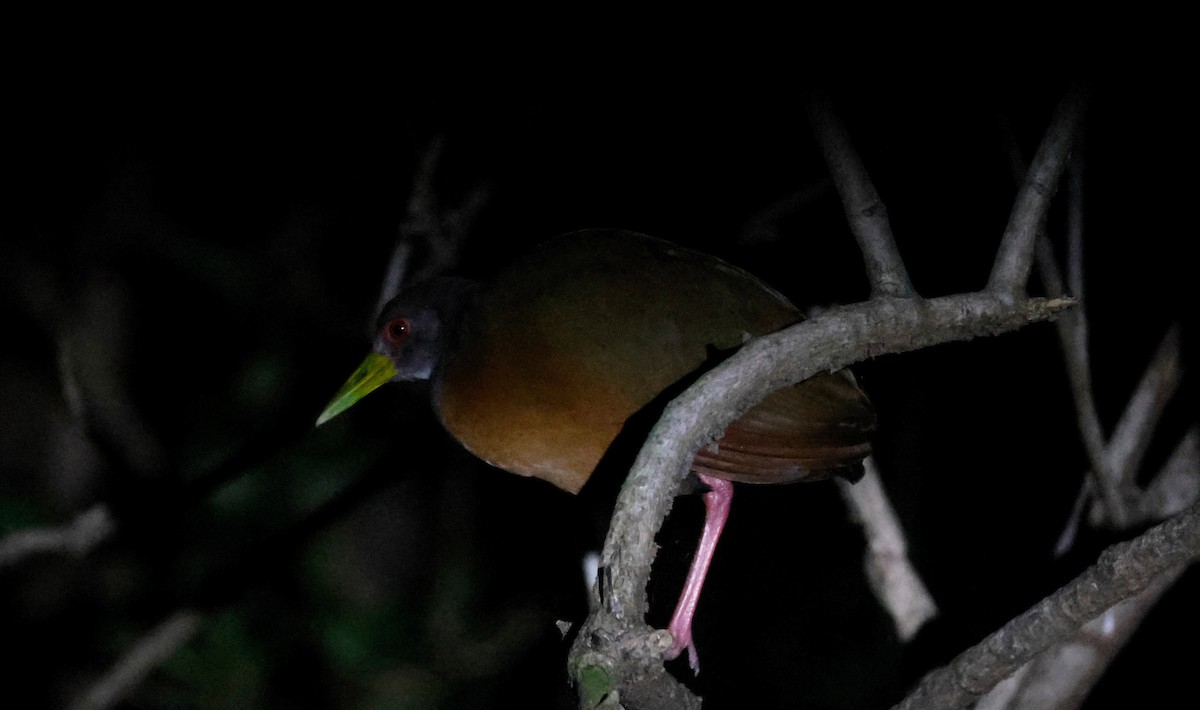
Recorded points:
(207, 249)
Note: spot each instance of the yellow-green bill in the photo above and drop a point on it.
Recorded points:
(373, 372)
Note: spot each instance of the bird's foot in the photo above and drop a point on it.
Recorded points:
(681, 638)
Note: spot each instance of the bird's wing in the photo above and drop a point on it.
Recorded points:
(818, 428)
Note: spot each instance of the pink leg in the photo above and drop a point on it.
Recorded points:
(716, 507)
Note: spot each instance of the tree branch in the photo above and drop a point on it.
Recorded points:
(77, 537)
(1122, 571)
(1062, 675)
(615, 637)
(890, 573)
(1134, 430)
(1011, 270)
(865, 210)
(1177, 484)
(440, 231)
(147, 654)
(615, 641)
(1072, 335)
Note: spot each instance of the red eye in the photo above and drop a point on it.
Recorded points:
(396, 330)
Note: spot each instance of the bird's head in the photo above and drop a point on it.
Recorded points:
(413, 333)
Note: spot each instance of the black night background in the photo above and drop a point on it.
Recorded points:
(189, 270)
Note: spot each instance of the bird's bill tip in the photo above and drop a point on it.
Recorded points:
(375, 370)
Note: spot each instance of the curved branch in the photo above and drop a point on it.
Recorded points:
(615, 634)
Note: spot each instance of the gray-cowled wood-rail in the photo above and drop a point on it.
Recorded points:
(537, 371)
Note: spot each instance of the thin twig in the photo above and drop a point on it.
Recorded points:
(147, 654)
(1075, 203)
(1015, 256)
(865, 210)
(1177, 484)
(393, 278)
(890, 572)
(420, 221)
(1134, 430)
(1072, 328)
(1073, 338)
(77, 537)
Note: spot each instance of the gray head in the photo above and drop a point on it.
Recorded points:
(417, 327)
(413, 332)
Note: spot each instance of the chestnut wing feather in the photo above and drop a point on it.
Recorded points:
(818, 428)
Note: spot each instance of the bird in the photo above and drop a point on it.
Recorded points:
(539, 370)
